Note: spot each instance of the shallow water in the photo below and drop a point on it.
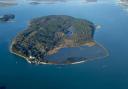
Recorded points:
(107, 73)
(78, 54)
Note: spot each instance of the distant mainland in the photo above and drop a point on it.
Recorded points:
(7, 3)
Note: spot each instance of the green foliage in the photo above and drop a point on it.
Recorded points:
(45, 33)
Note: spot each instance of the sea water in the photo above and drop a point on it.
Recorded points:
(106, 73)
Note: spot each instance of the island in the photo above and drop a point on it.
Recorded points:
(47, 36)
(36, 2)
(91, 0)
(7, 17)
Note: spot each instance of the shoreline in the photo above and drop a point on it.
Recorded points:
(78, 62)
(25, 58)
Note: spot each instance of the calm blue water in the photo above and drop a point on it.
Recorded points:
(108, 73)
